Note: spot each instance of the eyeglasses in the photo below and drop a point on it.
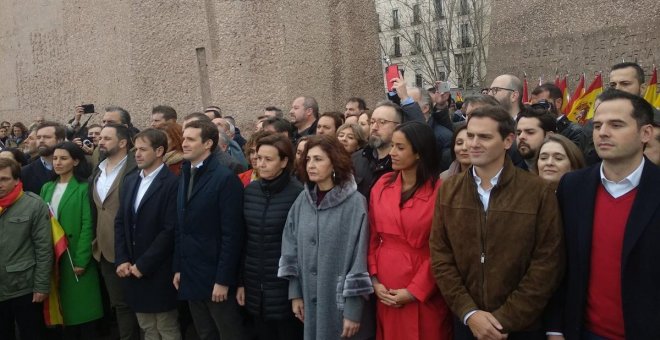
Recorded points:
(382, 122)
(494, 90)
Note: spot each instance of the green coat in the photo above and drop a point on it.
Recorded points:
(81, 300)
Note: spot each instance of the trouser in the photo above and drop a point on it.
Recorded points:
(85, 331)
(157, 326)
(463, 332)
(586, 335)
(126, 320)
(289, 329)
(26, 315)
(217, 320)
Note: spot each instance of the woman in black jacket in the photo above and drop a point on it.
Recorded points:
(266, 205)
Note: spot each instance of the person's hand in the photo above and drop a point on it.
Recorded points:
(381, 293)
(484, 326)
(176, 280)
(79, 271)
(400, 297)
(78, 141)
(350, 328)
(39, 297)
(240, 296)
(219, 293)
(79, 112)
(298, 309)
(399, 84)
(135, 271)
(124, 269)
(441, 99)
(87, 149)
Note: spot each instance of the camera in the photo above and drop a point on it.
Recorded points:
(88, 143)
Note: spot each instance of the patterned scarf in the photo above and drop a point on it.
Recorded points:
(11, 198)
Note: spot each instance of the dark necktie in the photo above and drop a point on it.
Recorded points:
(193, 171)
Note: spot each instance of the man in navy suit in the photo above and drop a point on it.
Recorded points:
(37, 173)
(611, 215)
(209, 235)
(144, 238)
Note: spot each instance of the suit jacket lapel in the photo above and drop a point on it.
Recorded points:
(200, 182)
(586, 218)
(155, 186)
(643, 208)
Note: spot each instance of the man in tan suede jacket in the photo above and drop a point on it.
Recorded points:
(496, 245)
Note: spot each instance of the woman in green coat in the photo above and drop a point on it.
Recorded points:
(79, 289)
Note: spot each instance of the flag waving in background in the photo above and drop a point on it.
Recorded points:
(52, 308)
(459, 96)
(525, 96)
(563, 86)
(583, 107)
(651, 95)
(579, 91)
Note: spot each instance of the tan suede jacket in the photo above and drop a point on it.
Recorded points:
(508, 260)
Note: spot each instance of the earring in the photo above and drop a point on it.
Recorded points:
(333, 176)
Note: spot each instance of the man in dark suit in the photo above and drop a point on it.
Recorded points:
(209, 235)
(144, 238)
(611, 215)
(40, 171)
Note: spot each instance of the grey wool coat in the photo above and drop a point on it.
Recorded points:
(324, 257)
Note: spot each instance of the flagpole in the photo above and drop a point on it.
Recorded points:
(72, 267)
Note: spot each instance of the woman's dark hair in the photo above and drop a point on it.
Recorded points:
(82, 170)
(24, 130)
(339, 158)
(283, 146)
(421, 138)
(19, 156)
(457, 129)
(573, 153)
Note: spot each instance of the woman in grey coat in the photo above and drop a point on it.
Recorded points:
(324, 247)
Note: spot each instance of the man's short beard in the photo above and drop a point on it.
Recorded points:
(529, 154)
(105, 153)
(376, 142)
(45, 151)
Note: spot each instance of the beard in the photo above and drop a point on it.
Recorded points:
(105, 153)
(45, 151)
(526, 152)
(376, 142)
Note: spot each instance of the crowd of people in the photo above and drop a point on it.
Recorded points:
(421, 218)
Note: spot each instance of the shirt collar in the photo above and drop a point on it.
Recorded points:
(152, 174)
(633, 179)
(104, 164)
(46, 164)
(493, 181)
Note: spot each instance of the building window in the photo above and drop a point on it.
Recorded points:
(397, 47)
(395, 19)
(440, 39)
(438, 9)
(464, 69)
(419, 80)
(465, 35)
(465, 7)
(417, 44)
(417, 14)
(442, 75)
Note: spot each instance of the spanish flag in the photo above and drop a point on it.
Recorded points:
(52, 307)
(651, 95)
(583, 107)
(579, 91)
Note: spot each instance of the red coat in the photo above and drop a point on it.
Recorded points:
(399, 256)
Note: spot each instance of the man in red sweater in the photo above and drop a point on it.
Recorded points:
(611, 215)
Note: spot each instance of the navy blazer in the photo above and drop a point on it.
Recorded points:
(640, 272)
(146, 238)
(210, 232)
(35, 175)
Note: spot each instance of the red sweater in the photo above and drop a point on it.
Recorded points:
(604, 310)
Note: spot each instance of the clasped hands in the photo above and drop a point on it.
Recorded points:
(127, 269)
(396, 298)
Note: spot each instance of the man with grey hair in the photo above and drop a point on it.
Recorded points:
(443, 135)
(474, 102)
(222, 157)
(304, 115)
(507, 89)
(230, 147)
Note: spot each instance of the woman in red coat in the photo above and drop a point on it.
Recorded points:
(409, 303)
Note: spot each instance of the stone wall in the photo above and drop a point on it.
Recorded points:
(241, 55)
(572, 36)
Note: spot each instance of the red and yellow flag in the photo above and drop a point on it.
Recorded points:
(583, 107)
(459, 96)
(651, 94)
(52, 307)
(525, 96)
(579, 91)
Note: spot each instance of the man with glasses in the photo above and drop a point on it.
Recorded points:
(374, 160)
(507, 89)
(549, 98)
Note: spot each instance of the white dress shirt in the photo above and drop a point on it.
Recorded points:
(145, 183)
(618, 189)
(484, 195)
(105, 180)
